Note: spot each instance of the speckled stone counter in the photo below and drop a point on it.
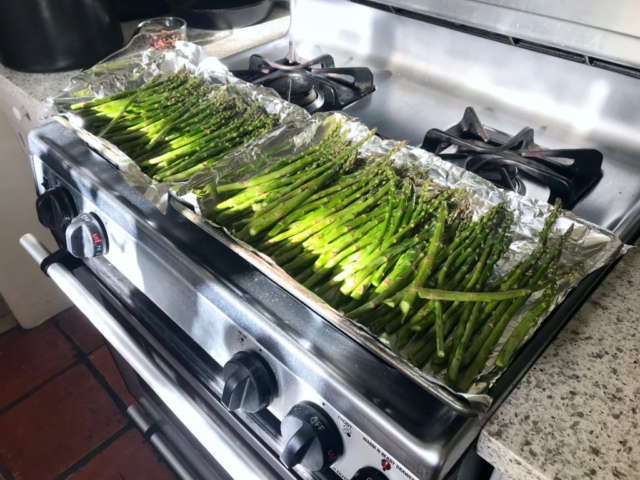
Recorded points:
(576, 414)
(31, 89)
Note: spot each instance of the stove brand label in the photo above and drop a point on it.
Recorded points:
(404, 472)
(380, 452)
(339, 473)
(370, 443)
(387, 463)
(346, 426)
(361, 451)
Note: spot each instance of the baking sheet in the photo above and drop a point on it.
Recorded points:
(588, 245)
(136, 70)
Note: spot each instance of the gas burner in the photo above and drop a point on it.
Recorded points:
(513, 162)
(298, 89)
(503, 175)
(316, 85)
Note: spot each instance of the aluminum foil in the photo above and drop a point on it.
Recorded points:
(589, 245)
(136, 70)
(289, 139)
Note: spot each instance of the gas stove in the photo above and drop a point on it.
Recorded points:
(419, 86)
(316, 85)
(230, 338)
(517, 163)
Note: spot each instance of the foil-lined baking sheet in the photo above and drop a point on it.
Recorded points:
(588, 246)
(138, 69)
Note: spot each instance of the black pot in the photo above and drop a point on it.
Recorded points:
(221, 14)
(56, 35)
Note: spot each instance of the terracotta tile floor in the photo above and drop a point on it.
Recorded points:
(63, 408)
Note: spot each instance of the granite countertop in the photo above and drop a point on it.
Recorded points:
(31, 89)
(576, 413)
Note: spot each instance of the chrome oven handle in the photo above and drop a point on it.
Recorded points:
(207, 432)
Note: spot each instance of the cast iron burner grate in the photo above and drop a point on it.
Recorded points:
(507, 160)
(316, 85)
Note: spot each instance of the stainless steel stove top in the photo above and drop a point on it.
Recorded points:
(425, 76)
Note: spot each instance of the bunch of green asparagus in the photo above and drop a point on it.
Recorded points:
(395, 254)
(175, 126)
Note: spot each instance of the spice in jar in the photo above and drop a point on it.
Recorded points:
(164, 42)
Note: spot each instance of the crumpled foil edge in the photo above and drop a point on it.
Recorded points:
(136, 70)
(589, 244)
(594, 245)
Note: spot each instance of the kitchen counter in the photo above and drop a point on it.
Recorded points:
(31, 89)
(576, 413)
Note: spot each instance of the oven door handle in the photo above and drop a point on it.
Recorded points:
(207, 432)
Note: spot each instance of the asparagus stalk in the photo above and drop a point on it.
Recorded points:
(426, 267)
(513, 342)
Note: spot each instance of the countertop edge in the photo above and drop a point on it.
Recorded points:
(507, 461)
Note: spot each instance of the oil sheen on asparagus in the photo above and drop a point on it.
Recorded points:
(174, 127)
(395, 253)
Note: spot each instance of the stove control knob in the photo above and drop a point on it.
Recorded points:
(86, 236)
(369, 473)
(249, 383)
(55, 208)
(312, 439)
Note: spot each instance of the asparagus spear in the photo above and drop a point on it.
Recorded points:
(513, 342)
(517, 336)
(439, 329)
(426, 267)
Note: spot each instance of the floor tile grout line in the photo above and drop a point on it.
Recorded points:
(78, 361)
(11, 330)
(84, 359)
(58, 316)
(109, 390)
(87, 457)
(95, 373)
(91, 352)
(38, 387)
(5, 473)
(81, 358)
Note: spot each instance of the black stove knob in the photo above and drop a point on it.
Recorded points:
(55, 208)
(86, 236)
(369, 473)
(249, 383)
(312, 439)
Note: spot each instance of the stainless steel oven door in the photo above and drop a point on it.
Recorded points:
(194, 438)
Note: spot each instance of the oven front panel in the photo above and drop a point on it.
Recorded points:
(201, 378)
(222, 321)
(191, 368)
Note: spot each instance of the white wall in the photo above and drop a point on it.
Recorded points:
(32, 297)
